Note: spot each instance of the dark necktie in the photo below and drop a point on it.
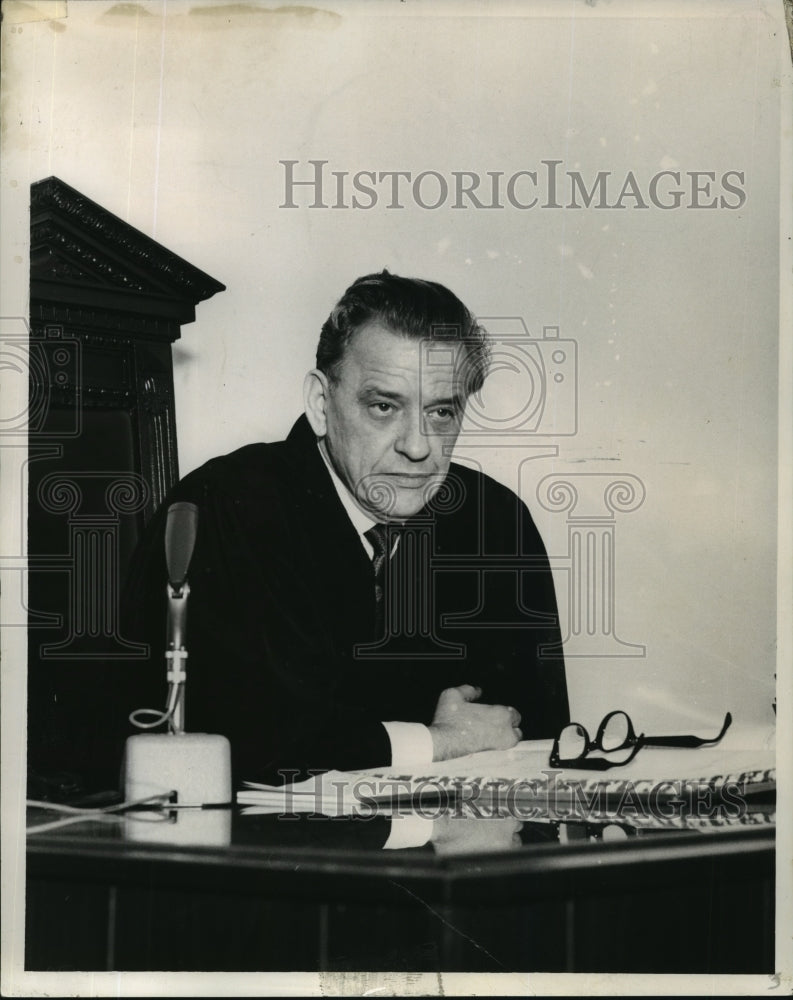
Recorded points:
(378, 537)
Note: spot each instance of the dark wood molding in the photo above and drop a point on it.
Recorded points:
(77, 245)
(106, 304)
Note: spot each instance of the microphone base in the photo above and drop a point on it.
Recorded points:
(195, 766)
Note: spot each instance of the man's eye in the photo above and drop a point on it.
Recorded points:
(443, 415)
(381, 409)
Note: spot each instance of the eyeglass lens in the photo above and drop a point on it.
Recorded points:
(573, 741)
(615, 732)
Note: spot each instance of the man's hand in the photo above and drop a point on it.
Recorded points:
(460, 727)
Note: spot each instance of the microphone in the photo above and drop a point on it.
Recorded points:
(181, 527)
(194, 767)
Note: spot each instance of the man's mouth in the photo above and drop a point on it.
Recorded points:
(411, 480)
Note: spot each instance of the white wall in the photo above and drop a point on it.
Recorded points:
(175, 116)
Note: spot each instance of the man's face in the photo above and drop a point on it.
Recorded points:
(392, 419)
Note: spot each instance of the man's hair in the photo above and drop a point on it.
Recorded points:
(410, 307)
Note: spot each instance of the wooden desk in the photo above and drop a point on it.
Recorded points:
(270, 893)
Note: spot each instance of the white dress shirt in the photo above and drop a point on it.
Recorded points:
(411, 742)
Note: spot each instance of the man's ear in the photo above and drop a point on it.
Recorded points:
(316, 393)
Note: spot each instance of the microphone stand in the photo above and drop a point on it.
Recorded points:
(181, 529)
(176, 654)
(193, 767)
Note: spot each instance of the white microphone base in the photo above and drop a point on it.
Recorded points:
(194, 766)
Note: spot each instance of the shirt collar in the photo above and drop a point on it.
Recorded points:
(360, 521)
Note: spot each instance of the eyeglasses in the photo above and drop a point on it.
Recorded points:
(573, 745)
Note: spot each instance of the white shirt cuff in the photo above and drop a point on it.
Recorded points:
(411, 745)
(408, 830)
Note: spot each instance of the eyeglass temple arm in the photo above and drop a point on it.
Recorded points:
(687, 741)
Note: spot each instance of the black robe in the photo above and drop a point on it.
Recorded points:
(282, 601)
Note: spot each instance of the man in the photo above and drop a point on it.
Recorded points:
(318, 640)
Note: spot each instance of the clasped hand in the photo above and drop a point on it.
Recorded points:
(461, 726)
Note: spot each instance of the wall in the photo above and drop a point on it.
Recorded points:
(175, 117)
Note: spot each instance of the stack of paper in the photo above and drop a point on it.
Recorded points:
(711, 786)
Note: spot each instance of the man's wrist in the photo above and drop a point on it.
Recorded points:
(443, 742)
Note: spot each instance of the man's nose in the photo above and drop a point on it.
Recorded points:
(413, 441)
